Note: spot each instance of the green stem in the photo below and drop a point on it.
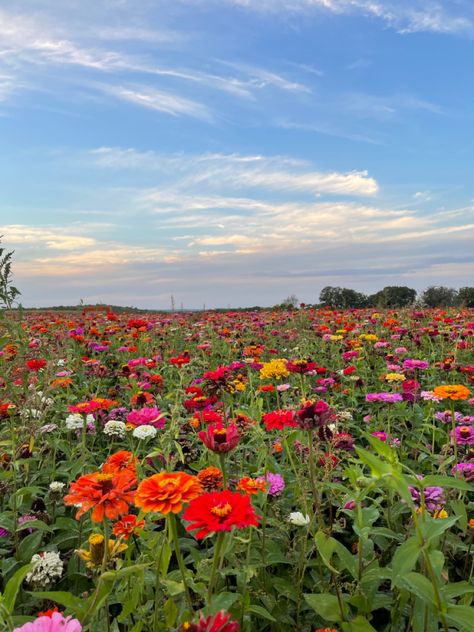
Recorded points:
(173, 531)
(215, 563)
(223, 468)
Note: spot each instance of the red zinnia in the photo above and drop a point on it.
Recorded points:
(279, 419)
(220, 622)
(219, 438)
(35, 365)
(219, 511)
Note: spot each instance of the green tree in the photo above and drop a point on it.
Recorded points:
(342, 298)
(439, 296)
(466, 297)
(396, 296)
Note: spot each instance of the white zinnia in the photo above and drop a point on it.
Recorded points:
(75, 421)
(145, 432)
(114, 428)
(297, 518)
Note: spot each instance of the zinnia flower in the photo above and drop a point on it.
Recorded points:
(211, 479)
(452, 391)
(127, 525)
(251, 486)
(220, 622)
(279, 419)
(55, 623)
(219, 438)
(314, 415)
(219, 511)
(167, 492)
(464, 435)
(146, 417)
(107, 493)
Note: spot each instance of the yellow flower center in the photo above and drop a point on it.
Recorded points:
(222, 510)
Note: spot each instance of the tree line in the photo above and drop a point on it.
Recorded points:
(396, 296)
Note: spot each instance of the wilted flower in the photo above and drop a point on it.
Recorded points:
(47, 567)
(298, 519)
(314, 415)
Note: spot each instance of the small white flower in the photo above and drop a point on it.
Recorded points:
(47, 567)
(75, 421)
(114, 428)
(32, 413)
(61, 362)
(145, 432)
(297, 518)
(56, 487)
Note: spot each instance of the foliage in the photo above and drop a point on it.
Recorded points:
(439, 296)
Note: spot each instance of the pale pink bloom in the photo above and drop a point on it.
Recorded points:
(55, 623)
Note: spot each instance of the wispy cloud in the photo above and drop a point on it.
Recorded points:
(405, 16)
(159, 100)
(236, 171)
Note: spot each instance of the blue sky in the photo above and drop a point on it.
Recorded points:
(233, 152)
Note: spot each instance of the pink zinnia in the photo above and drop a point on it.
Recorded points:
(55, 623)
(146, 417)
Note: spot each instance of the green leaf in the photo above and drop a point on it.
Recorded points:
(460, 616)
(450, 591)
(13, 586)
(446, 481)
(405, 557)
(171, 612)
(260, 612)
(420, 586)
(326, 606)
(433, 527)
(359, 624)
(76, 604)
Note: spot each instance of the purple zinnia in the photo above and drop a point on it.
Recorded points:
(276, 483)
(464, 470)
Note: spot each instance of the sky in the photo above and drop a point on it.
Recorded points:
(235, 152)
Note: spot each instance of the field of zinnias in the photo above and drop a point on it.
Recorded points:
(274, 470)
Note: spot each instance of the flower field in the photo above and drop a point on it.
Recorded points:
(303, 469)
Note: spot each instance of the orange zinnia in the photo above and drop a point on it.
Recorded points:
(121, 460)
(107, 494)
(452, 391)
(166, 492)
(251, 485)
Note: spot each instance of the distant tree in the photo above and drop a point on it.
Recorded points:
(396, 296)
(341, 298)
(466, 297)
(439, 296)
(8, 292)
(290, 302)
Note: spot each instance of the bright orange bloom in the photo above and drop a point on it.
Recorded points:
(62, 382)
(167, 492)
(127, 525)
(107, 494)
(211, 479)
(452, 391)
(251, 485)
(121, 460)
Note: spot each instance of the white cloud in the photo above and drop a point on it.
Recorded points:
(276, 173)
(159, 101)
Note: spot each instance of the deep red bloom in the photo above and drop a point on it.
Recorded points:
(301, 366)
(314, 415)
(219, 438)
(279, 419)
(219, 511)
(35, 365)
(220, 622)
